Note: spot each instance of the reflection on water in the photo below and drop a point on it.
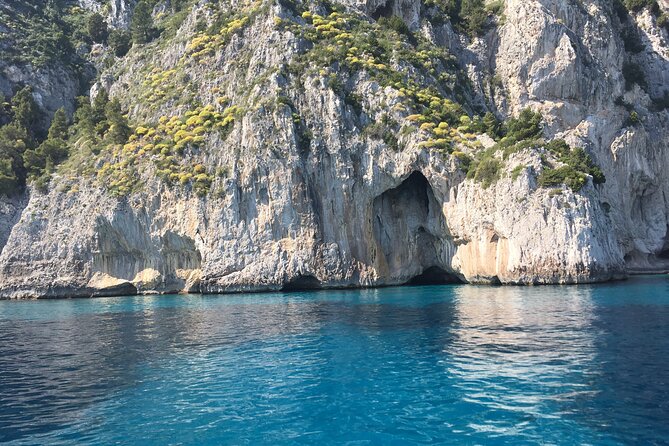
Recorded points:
(514, 353)
(408, 365)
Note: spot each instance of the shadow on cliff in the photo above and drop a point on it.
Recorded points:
(11, 209)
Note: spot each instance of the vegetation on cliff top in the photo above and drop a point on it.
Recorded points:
(433, 99)
(562, 164)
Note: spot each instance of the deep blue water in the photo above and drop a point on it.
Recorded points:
(451, 364)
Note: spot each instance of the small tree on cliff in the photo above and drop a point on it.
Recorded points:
(119, 42)
(100, 112)
(25, 109)
(58, 129)
(141, 25)
(97, 28)
(40, 162)
(13, 143)
(119, 130)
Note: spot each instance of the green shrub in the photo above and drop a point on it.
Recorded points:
(633, 74)
(119, 42)
(633, 119)
(470, 16)
(42, 160)
(383, 130)
(637, 5)
(495, 7)
(485, 171)
(574, 174)
(9, 182)
(515, 173)
(97, 28)
(464, 161)
(527, 126)
(180, 11)
(395, 23)
(563, 175)
(663, 21)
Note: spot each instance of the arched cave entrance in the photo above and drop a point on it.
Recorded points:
(664, 252)
(411, 234)
(305, 282)
(434, 275)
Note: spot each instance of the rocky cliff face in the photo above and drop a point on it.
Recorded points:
(303, 193)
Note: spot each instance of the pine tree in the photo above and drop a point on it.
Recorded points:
(119, 130)
(141, 24)
(97, 28)
(119, 42)
(58, 129)
(83, 118)
(491, 125)
(13, 144)
(99, 112)
(99, 105)
(526, 127)
(8, 179)
(50, 153)
(25, 109)
(474, 14)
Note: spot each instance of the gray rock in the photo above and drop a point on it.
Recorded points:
(349, 211)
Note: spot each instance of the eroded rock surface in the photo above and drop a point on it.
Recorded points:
(348, 211)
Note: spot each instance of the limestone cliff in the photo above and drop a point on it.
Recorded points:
(320, 176)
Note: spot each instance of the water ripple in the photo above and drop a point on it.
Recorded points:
(463, 364)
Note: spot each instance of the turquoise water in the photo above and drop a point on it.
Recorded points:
(449, 364)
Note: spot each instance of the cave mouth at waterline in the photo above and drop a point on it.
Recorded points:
(305, 282)
(434, 275)
(411, 234)
(663, 254)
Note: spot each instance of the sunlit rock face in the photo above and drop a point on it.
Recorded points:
(344, 209)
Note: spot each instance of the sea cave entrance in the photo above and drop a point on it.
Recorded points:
(434, 275)
(411, 234)
(664, 252)
(305, 282)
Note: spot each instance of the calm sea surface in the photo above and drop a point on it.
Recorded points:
(448, 364)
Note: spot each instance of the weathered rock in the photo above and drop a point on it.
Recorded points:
(350, 212)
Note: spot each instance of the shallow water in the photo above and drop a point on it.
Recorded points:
(449, 364)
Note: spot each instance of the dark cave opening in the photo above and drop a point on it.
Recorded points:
(411, 234)
(122, 289)
(384, 10)
(434, 275)
(664, 252)
(305, 282)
